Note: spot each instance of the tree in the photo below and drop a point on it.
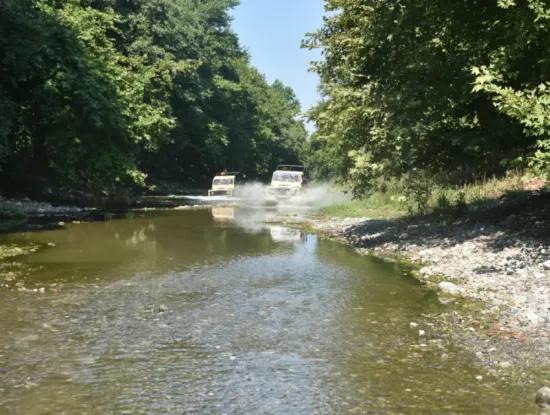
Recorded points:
(98, 95)
(397, 83)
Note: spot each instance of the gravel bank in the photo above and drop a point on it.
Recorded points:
(34, 208)
(500, 257)
(29, 215)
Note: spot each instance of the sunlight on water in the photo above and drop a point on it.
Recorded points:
(216, 311)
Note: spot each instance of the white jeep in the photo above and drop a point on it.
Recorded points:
(225, 183)
(287, 181)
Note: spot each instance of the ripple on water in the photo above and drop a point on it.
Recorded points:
(194, 318)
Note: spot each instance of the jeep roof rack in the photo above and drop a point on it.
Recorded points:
(291, 167)
(228, 173)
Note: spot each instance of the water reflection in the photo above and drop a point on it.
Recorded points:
(223, 213)
(257, 220)
(284, 234)
(144, 242)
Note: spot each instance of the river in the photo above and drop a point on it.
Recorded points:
(210, 311)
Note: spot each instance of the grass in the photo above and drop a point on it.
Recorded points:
(374, 207)
(423, 198)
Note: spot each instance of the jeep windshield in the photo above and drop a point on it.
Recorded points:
(281, 176)
(223, 181)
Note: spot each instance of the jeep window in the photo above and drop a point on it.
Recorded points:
(223, 181)
(280, 176)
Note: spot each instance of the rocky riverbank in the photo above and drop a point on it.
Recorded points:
(24, 214)
(30, 207)
(499, 258)
(27, 214)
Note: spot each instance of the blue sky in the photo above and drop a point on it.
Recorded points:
(271, 31)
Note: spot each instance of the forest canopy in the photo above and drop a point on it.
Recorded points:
(103, 95)
(450, 90)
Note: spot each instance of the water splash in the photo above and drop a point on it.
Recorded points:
(314, 196)
(320, 195)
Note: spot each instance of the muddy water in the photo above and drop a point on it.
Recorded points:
(208, 311)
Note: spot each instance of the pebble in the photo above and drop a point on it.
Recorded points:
(449, 288)
(421, 333)
(162, 308)
(412, 324)
(546, 265)
(542, 397)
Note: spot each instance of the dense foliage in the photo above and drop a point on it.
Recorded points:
(104, 95)
(452, 90)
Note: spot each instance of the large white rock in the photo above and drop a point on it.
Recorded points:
(542, 399)
(447, 287)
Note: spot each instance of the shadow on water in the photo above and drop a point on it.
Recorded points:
(222, 311)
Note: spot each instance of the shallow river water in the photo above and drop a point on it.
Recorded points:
(209, 311)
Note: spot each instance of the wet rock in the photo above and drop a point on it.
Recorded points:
(511, 219)
(162, 308)
(447, 287)
(546, 265)
(505, 365)
(445, 300)
(542, 399)
(424, 271)
(532, 318)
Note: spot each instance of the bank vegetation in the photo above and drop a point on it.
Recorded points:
(428, 100)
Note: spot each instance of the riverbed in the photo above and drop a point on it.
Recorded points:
(220, 310)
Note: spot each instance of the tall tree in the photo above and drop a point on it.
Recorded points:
(397, 82)
(99, 94)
